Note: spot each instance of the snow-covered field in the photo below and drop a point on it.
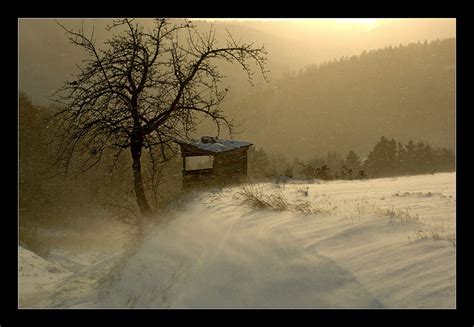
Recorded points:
(383, 243)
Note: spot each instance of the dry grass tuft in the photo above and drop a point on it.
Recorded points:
(421, 235)
(253, 197)
(399, 214)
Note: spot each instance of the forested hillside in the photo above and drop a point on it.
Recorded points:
(403, 92)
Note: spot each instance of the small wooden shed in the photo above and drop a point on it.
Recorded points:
(212, 161)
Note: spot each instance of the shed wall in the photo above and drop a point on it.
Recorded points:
(229, 167)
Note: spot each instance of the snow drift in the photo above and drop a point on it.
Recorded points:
(384, 243)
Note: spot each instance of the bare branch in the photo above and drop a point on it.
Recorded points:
(144, 89)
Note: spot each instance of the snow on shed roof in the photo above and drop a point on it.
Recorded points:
(217, 146)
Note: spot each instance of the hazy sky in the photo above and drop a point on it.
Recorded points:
(367, 22)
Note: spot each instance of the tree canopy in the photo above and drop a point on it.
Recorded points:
(144, 89)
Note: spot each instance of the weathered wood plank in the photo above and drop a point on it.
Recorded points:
(229, 167)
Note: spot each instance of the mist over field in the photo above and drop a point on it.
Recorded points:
(237, 163)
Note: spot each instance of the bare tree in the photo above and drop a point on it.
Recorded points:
(144, 89)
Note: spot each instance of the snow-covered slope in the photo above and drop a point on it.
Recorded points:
(384, 243)
(37, 277)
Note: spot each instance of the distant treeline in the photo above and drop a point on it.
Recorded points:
(387, 158)
(402, 92)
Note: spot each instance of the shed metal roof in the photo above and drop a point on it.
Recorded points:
(217, 146)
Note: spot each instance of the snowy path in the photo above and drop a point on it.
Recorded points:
(238, 268)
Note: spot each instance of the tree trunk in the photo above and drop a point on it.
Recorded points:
(142, 202)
